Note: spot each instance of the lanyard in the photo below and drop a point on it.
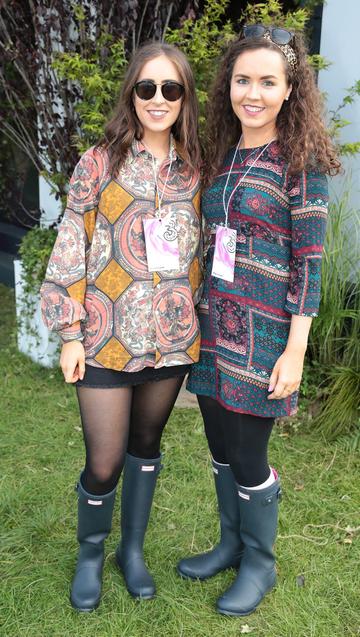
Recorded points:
(157, 191)
(226, 204)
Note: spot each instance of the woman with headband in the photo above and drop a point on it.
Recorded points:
(265, 208)
(120, 290)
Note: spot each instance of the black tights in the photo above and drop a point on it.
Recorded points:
(239, 440)
(120, 420)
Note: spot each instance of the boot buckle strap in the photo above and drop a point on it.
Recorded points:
(270, 498)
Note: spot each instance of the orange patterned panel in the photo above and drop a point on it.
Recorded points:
(194, 350)
(113, 201)
(195, 275)
(77, 290)
(89, 223)
(196, 203)
(113, 355)
(156, 278)
(113, 280)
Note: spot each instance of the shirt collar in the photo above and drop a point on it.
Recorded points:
(137, 148)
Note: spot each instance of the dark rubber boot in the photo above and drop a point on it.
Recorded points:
(257, 575)
(227, 553)
(94, 525)
(138, 488)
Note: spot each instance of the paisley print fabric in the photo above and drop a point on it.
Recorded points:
(280, 222)
(97, 287)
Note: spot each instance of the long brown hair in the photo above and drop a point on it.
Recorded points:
(303, 139)
(124, 125)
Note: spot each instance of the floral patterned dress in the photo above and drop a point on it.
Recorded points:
(280, 222)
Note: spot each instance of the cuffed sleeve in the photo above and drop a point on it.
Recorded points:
(71, 333)
(308, 193)
(63, 290)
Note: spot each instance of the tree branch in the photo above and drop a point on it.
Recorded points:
(168, 18)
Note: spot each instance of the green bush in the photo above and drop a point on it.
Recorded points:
(35, 250)
(97, 75)
(334, 344)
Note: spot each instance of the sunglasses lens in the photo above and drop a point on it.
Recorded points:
(145, 90)
(172, 91)
(280, 36)
(253, 31)
(277, 35)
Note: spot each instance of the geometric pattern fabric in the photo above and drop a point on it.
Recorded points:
(280, 225)
(127, 317)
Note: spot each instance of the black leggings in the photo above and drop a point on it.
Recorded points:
(120, 420)
(239, 440)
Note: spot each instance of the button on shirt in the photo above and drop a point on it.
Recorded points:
(98, 288)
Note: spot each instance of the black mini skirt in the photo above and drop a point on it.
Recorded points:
(107, 378)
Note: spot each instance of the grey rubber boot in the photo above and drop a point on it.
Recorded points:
(94, 525)
(227, 553)
(257, 575)
(138, 488)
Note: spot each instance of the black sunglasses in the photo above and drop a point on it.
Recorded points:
(277, 35)
(171, 91)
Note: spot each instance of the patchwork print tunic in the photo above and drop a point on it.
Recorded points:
(280, 222)
(97, 286)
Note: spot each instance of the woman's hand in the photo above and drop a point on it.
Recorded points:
(286, 375)
(287, 372)
(72, 361)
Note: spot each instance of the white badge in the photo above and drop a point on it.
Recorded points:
(161, 241)
(224, 255)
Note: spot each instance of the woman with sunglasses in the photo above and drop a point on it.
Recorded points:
(265, 208)
(120, 290)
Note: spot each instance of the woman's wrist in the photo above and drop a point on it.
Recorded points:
(298, 335)
(298, 349)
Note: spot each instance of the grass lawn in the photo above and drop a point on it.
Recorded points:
(41, 456)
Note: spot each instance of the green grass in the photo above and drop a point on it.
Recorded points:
(41, 456)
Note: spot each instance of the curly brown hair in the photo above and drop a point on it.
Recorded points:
(124, 125)
(302, 136)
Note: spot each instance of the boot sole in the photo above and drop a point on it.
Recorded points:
(140, 598)
(83, 610)
(195, 578)
(133, 595)
(230, 613)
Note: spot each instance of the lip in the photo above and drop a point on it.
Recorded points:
(248, 109)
